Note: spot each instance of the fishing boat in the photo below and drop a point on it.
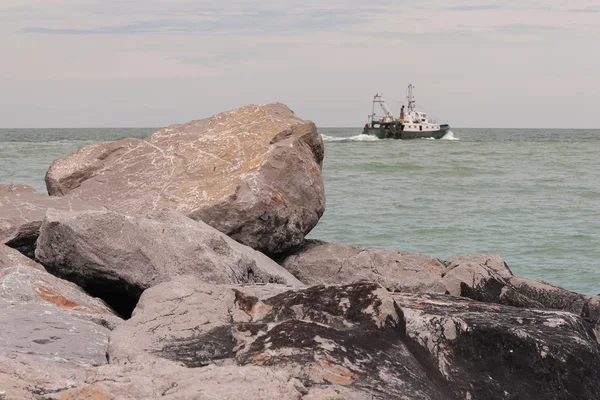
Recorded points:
(411, 124)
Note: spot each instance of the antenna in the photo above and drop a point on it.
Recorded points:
(410, 98)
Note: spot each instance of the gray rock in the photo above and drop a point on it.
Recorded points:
(26, 377)
(339, 341)
(12, 258)
(21, 284)
(51, 334)
(333, 263)
(487, 278)
(486, 351)
(117, 257)
(253, 173)
(17, 188)
(22, 210)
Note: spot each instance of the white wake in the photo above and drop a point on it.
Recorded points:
(358, 138)
(449, 136)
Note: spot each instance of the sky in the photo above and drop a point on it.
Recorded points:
(151, 63)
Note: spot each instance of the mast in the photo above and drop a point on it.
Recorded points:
(410, 98)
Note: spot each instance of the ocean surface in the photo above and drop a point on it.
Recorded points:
(532, 196)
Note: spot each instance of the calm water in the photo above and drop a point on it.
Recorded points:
(532, 196)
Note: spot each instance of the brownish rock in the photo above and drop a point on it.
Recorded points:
(253, 173)
(116, 257)
(332, 263)
(22, 210)
(490, 351)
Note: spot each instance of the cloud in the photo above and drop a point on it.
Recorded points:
(590, 10)
(247, 21)
(476, 8)
(154, 62)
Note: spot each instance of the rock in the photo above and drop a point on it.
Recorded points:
(29, 378)
(52, 319)
(338, 341)
(25, 285)
(487, 278)
(12, 258)
(22, 210)
(488, 351)
(116, 257)
(253, 173)
(332, 263)
(51, 334)
(17, 188)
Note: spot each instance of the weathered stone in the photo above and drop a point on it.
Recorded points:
(332, 263)
(52, 319)
(32, 379)
(28, 377)
(25, 285)
(52, 334)
(488, 351)
(17, 188)
(22, 210)
(487, 278)
(342, 339)
(116, 257)
(12, 258)
(253, 173)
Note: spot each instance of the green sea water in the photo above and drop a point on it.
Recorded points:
(532, 196)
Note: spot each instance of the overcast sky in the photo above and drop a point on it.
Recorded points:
(67, 63)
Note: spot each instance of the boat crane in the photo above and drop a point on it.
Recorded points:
(411, 124)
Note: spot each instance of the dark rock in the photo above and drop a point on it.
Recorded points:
(487, 278)
(252, 173)
(332, 263)
(489, 351)
(338, 339)
(116, 257)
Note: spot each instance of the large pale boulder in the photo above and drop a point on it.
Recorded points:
(341, 342)
(253, 173)
(116, 257)
(22, 210)
(489, 351)
(332, 263)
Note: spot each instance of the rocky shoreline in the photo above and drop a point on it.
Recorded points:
(176, 267)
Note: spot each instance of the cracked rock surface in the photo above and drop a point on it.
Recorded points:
(333, 263)
(253, 173)
(116, 257)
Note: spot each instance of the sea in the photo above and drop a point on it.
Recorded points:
(530, 195)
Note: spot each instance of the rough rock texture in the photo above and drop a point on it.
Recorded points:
(22, 210)
(488, 351)
(50, 318)
(25, 285)
(26, 377)
(17, 188)
(116, 257)
(12, 258)
(253, 173)
(333, 263)
(487, 278)
(338, 341)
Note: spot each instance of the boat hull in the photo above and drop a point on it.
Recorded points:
(388, 133)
